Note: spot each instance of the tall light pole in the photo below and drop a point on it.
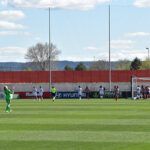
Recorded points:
(109, 46)
(50, 76)
(148, 52)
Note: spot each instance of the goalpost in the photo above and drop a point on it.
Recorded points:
(139, 81)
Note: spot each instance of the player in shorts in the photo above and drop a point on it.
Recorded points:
(142, 92)
(8, 94)
(101, 92)
(34, 92)
(53, 92)
(116, 92)
(40, 93)
(87, 92)
(80, 90)
(138, 92)
(148, 91)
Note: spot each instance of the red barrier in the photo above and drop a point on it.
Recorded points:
(28, 95)
(70, 76)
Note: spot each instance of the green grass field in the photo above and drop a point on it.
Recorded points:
(75, 125)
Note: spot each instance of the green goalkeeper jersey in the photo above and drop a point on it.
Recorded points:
(53, 90)
(8, 93)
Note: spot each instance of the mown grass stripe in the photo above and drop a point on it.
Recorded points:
(81, 136)
(43, 113)
(77, 127)
(69, 145)
(75, 121)
(76, 116)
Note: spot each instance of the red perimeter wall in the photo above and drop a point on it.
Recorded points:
(69, 76)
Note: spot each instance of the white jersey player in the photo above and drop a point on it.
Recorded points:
(101, 91)
(80, 90)
(34, 92)
(138, 92)
(40, 93)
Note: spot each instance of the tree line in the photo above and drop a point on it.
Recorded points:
(136, 64)
(40, 55)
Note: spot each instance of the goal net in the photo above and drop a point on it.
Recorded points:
(139, 81)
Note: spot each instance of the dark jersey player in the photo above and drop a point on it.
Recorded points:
(116, 92)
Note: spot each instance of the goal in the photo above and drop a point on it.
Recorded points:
(139, 81)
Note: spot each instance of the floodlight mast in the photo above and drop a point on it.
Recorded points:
(148, 52)
(109, 47)
(50, 72)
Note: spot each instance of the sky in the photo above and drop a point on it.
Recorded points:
(79, 28)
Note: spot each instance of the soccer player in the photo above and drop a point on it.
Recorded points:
(101, 91)
(53, 92)
(138, 92)
(40, 93)
(8, 95)
(147, 92)
(116, 92)
(80, 90)
(34, 92)
(142, 92)
(87, 91)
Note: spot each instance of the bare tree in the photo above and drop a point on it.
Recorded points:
(39, 55)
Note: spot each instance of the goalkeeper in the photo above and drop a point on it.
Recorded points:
(8, 97)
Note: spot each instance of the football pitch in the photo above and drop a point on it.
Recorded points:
(75, 125)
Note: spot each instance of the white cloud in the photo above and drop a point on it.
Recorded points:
(12, 33)
(142, 3)
(91, 48)
(76, 58)
(14, 54)
(10, 25)
(103, 55)
(138, 34)
(65, 4)
(11, 15)
(121, 44)
(123, 54)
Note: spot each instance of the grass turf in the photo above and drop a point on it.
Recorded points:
(75, 125)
